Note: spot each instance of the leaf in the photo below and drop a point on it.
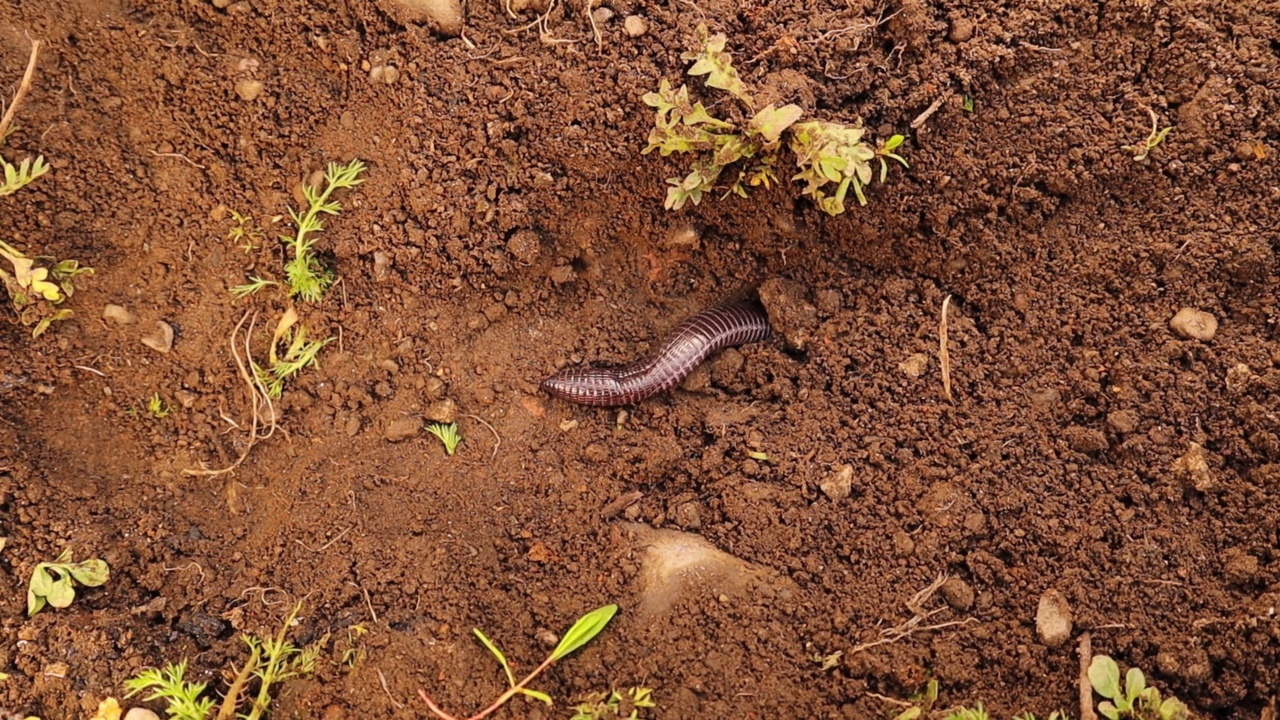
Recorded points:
(287, 320)
(91, 573)
(1134, 683)
(47, 321)
(64, 556)
(909, 714)
(536, 695)
(1108, 710)
(1104, 675)
(771, 122)
(502, 659)
(61, 593)
(1173, 709)
(891, 144)
(41, 582)
(35, 603)
(586, 628)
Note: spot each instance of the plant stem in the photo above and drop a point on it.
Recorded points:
(502, 699)
(228, 709)
(22, 90)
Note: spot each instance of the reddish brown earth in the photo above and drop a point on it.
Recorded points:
(509, 224)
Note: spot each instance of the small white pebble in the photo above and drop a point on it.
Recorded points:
(248, 90)
(634, 26)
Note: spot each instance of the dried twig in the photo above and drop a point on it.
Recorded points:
(383, 679)
(23, 87)
(923, 117)
(180, 156)
(944, 357)
(919, 614)
(1086, 689)
(497, 439)
(325, 546)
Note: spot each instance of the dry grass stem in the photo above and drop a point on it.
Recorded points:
(919, 614)
(1086, 689)
(944, 357)
(23, 87)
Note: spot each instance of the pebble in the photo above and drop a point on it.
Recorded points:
(434, 388)
(688, 516)
(914, 366)
(118, 315)
(1192, 469)
(443, 16)
(958, 594)
(838, 485)
(140, 713)
(333, 712)
(160, 339)
(249, 90)
(634, 26)
(383, 75)
(1089, 441)
(403, 428)
(442, 411)
(903, 545)
(1122, 422)
(1053, 619)
(789, 311)
(961, 30)
(1194, 324)
(601, 15)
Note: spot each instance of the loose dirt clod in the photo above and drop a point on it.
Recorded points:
(118, 315)
(1192, 468)
(442, 411)
(403, 428)
(1194, 324)
(1053, 619)
(789, 311)
(838, 485)
(443, 16)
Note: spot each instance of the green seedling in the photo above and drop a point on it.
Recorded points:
(244, 232)
(158, 408)
(51, 582)
(828, 662)
(182, 698)
(923, 703)
(36, 285)
(966, 104)
(1157, 136)
(254, 285)
(964, 713)
(1055, 715)
(1132, 700)
(307, 276)
(582, 632)
(299, 354)
(614, 705)
(448, 435)
(825, 152)
(21, 175)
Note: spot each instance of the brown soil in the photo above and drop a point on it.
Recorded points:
(510, 225)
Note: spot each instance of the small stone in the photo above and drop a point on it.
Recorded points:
(789, 311)
(443, 16)
(442, 411)
(562, 274)
(958, 594)
(524, 245)
(433, 388)
(160, 339)
(688, 516)
(403, 428)
(1194, 324)
(903, 545)
(221, 4)
(1053, 619)
(601, 15)
(634, 26)
(249, 90)
(1045, 399)
(961, 30)
(1238, 378)
(682, 236)
(390, 74)
(547, 638)
(140, 713)
(118, 315)
(838, 485)
(1122, 422)
(1192, 469)
(914, 366)
(348, 121)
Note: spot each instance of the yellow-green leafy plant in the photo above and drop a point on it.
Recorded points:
(448, 435)
(1134, 699)
(53, 583)
(615, 705)
(1157, 135)
(183, 699)
(38, 285)
(750, 143)
(298, 355)
(307, 276)
(19, 176)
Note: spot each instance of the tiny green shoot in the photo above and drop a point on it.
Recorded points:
(19, 176)
(448, 435)
(307, 276)
(1142, 150)
(158, 408)
(299, 354)
(254, 285)
(923, 703)
(170, 685)
(965, 713)
(614, 705)
(581, 633)
(36, 285)
(966, 104)
(244, 232)
(51, 582)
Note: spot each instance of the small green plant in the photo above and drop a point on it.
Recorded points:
(448, 435)
(308, 278)
(299, 354)
(1157, 136)
(966, 104)
(614, 705)
(19, 176)
(59, 591)
(244, 232)
(158, 408)
(37, 285)
(1135, 699)
(582, 632)
(1055, 715)
(965, 713)
(923, 703)
(183, 698)
(254, 285)
(825, 152)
